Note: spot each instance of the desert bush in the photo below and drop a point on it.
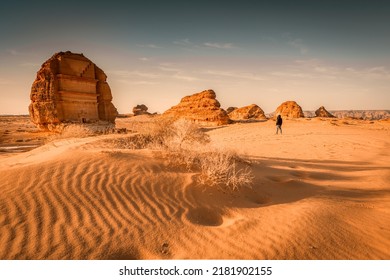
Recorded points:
(133, 142)
(184, 144)
(64, 131)
(187, 145)
(216, 167)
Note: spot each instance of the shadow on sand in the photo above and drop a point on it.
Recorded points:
(281, 181)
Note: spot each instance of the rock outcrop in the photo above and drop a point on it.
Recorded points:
(289, 109)
(202, 108)
(70, 88)
(363, 114)
(140, 110)
(323, 113)
(251, 112)
(230, 109)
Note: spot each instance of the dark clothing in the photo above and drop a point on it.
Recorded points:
(279, 120)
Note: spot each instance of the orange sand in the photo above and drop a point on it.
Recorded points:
(321, 191)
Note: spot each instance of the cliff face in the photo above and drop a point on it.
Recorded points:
(202, 108)
(70, 88)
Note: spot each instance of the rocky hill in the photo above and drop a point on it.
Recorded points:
(251, 112)
(202, 108)
(289, 109)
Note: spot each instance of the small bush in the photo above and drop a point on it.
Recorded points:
(185, 144)
(133, 142)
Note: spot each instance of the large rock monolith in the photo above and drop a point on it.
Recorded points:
(70, 88)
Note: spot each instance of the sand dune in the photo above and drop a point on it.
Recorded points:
(321, 192)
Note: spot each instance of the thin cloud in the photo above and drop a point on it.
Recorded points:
(151, 46)
(15, 52)
(144, 59)
(30, 64)
(318, 68)
(185, 77)
(183, 42)
(168, 69)
(225, 46)
(290, 74)
(128, 74)
(236, 75)
(129, 82)
(298, 44)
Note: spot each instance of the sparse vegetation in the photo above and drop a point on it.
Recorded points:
(184, 144)
(65, 131)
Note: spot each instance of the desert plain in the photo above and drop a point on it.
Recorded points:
(320, 191)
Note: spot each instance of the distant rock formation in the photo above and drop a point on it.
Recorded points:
(323, 113)
(253, 112)
(363, 114)
(289, 109)
(202, 107)
(309, 114)
(231, 109)
(140, 110)
(70, 88)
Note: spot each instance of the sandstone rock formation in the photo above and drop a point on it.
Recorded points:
(70, 88)
(323, 113)
(253, 112)
(230, 109)
(140, 110)
(363, 114)
(289, 109)
(202, 107)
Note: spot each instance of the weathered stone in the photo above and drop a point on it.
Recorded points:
(140, 110)
(289, 109)
(202, 108)
(251, 112)
(322, 112)
(230, 109)
(70, 88)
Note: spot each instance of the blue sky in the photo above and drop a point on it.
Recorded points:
(331, 53)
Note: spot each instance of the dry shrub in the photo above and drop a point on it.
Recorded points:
(185, 144)
(65, 131)
(224, 168)
(77, 131)
(133, 142)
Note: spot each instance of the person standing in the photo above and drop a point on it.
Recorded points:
(279, 122)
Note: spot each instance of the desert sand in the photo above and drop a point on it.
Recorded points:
(321, 191)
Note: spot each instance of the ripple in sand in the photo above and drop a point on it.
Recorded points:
(204, 216)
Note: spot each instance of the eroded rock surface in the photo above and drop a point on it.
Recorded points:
(70, 88)
(251, 112)
(202, 108)
(323, 113)
(289, 109)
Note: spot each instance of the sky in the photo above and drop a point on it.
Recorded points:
(330, 53)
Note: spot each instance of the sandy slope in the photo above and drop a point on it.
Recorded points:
(321, 192)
